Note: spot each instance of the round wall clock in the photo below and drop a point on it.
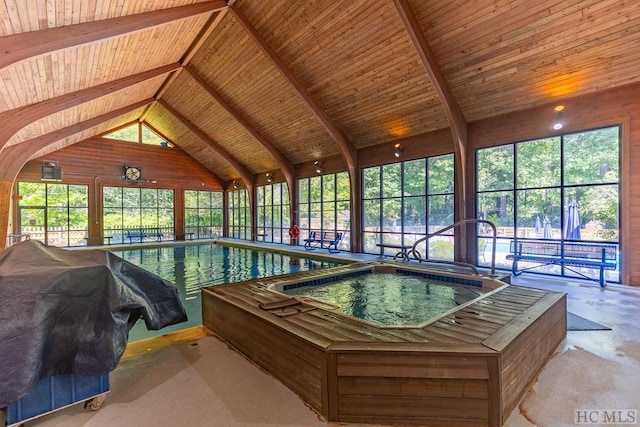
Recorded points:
(132, 173)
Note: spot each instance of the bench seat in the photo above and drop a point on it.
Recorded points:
(331, 239)
(586, 255)
(143, 233)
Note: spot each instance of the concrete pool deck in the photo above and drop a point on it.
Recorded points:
(199, 381)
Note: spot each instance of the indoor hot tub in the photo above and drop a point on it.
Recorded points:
(468, 361)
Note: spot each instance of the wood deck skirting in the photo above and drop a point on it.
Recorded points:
(470, 367)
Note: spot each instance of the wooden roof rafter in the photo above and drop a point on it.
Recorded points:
(455, 117)
(16, 156)
(285, 165)
(347, 149)
(206, 31)
(16, 119)
(18, 47)
(245, 175)
(349, 152)
(452, 110)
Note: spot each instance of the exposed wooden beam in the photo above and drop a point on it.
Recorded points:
(14, 157)
(150, 126)
(452, 110)
(16, 119)
(18, 47)
(285, 165)
(245, 175)
(347, 149)
(202, 36)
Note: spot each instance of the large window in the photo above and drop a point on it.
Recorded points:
(203, 213)
(273, 212)
(324, 206)
(141, 133)
(136, 208)
(55, 214)
(239, 214)
(403, 201)
(528, 189)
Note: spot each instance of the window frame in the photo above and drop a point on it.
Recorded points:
(564, 189)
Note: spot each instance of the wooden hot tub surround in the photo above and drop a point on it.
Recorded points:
(469, 367)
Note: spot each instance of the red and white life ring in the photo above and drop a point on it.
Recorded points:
(294, 231)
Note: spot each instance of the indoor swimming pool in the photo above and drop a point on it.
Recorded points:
(191, 267)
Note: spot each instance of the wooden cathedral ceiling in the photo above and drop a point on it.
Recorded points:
(353, 76)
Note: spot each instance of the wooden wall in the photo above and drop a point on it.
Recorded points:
(100, 162)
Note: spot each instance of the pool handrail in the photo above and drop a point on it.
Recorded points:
(416, 254)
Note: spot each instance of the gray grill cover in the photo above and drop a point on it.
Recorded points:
(70, 312)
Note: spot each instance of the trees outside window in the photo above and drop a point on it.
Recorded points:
(55, 214)
(203, 213)
(527, 188)
(139, 132)
(273, 212)
(127, 208)
(324, 206)
(239, 214)
(403, 201)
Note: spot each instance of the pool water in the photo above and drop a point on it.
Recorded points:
(390, 299)
(194, 266)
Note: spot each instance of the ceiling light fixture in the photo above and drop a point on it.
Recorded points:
(318, 166)
(398, 151)
(235, 184)
(557, 125)
(269, 177)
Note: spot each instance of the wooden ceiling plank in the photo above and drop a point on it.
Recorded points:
(202, 36)
(285, 165)
(18, 47)
(14, 120)
(348, 150)
(454, 114)
(211, 24)
(244, 173)
(452, 110)
(16, 156)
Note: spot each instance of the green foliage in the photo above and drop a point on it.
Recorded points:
(495, 168)
(600, 203)
(409, 196)
(441, 249)
(129, 133)
(324, 202)
(441, 174)
(126, 207)
(54, 206)
(591, 157)
(538, 163)
(588, 163)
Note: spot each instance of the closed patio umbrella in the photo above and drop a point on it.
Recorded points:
(546, 230)
(537, 227)
(572, 226)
